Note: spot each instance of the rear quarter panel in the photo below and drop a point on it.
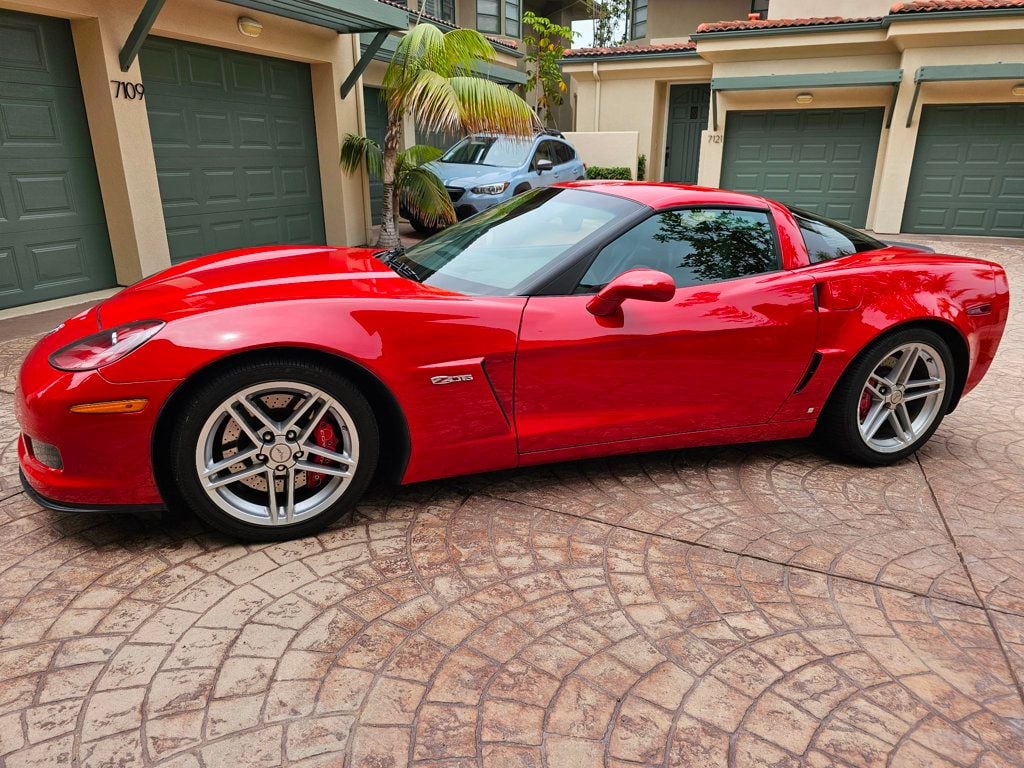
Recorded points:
(866, 295)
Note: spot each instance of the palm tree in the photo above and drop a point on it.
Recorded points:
(418, 189)
(431, 78)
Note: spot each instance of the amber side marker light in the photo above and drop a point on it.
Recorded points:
(112, 406)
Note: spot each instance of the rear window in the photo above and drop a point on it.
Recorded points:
(826, 239)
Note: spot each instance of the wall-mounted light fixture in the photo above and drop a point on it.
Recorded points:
(249, 27)
(1018, 89)
(804, 98)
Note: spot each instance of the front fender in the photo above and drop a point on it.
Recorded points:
(460, 427)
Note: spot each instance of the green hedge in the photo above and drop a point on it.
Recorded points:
(620, 173)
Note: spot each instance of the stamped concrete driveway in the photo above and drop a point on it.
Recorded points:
(757, 605)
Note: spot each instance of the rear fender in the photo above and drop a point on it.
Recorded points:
(861, 304)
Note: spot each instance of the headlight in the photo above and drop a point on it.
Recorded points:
(490, 189)
(104, 347)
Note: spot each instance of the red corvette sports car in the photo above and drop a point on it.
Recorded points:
(263, 388)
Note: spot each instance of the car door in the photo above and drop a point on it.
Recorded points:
(564, 165)
(726, 351)
(546, 150)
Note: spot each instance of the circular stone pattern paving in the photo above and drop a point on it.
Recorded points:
(750, 606)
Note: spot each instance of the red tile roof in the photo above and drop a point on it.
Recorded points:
(924, 6)
(744, 24)
(625, 50)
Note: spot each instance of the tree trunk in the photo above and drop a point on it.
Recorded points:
(388, 237)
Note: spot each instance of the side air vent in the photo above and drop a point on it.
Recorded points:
(809, 374)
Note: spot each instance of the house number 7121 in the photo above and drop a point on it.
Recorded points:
(126, 90)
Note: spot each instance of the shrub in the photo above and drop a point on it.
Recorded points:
(618, 172)
(641, 168)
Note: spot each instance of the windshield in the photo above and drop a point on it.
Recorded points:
(504, 151)
(498, 252)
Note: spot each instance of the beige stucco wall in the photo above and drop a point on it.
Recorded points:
(607, 149)
(675, 19)
(631, 93)
(850, 9)
(632, 96)
(120, 128)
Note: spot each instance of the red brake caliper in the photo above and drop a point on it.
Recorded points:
(325, 437)
(865, 403)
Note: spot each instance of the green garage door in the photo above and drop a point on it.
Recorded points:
(968, 172)
(53, 236)
(822, 160)
(235, 146)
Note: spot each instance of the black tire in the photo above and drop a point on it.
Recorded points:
(838, 429)
(422, 228)
(189, 422)
(521, 188)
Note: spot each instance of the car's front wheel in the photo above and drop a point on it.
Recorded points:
(274, 450)
(892, 399)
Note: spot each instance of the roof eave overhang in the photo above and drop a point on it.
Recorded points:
(584, 59)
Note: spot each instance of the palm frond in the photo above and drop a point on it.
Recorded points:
(422, 47)
(424, 196)
(466, 47)
(433, 103)
(358, 149)
(486, 106)
(419, 154)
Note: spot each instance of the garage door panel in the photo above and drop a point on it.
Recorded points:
(967, 172)
(196, 235)
(36, 50)
(46, 263)
(235, 145)
(822, 160)
(54, 233)
(1009, 219)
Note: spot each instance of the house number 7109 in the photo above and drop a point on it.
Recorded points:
(126, 90)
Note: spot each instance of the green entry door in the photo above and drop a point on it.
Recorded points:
(376, 127)
(822, 160)
(968, 172)
(687, 117)
(235, 146)
(53, 235)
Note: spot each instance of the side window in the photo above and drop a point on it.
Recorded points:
(546, 151)
(827, 239)
(565, 153)
(695, 246)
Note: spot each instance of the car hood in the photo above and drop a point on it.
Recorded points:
(258, 276)
(467, 175)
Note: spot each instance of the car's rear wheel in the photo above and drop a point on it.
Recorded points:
(274, 450)
(892, 399)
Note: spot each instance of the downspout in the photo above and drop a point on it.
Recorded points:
(597, 100)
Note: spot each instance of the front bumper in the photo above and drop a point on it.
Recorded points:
(469, 203)
(106, 459)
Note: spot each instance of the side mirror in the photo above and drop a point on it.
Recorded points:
(640, 284)
(544, 165)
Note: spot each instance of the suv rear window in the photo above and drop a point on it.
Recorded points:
(826, 239)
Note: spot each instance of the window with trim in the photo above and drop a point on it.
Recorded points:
(826, 239)
(488, 16)
(693, 245)
(760, 7)
(441, 9)
(512, 16)
(638, 19)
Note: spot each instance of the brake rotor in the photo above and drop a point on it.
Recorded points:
(229, 447)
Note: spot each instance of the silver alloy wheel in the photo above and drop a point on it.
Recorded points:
(258, 458)
(901, 398)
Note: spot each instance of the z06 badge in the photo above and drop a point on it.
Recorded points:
(451, 379)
